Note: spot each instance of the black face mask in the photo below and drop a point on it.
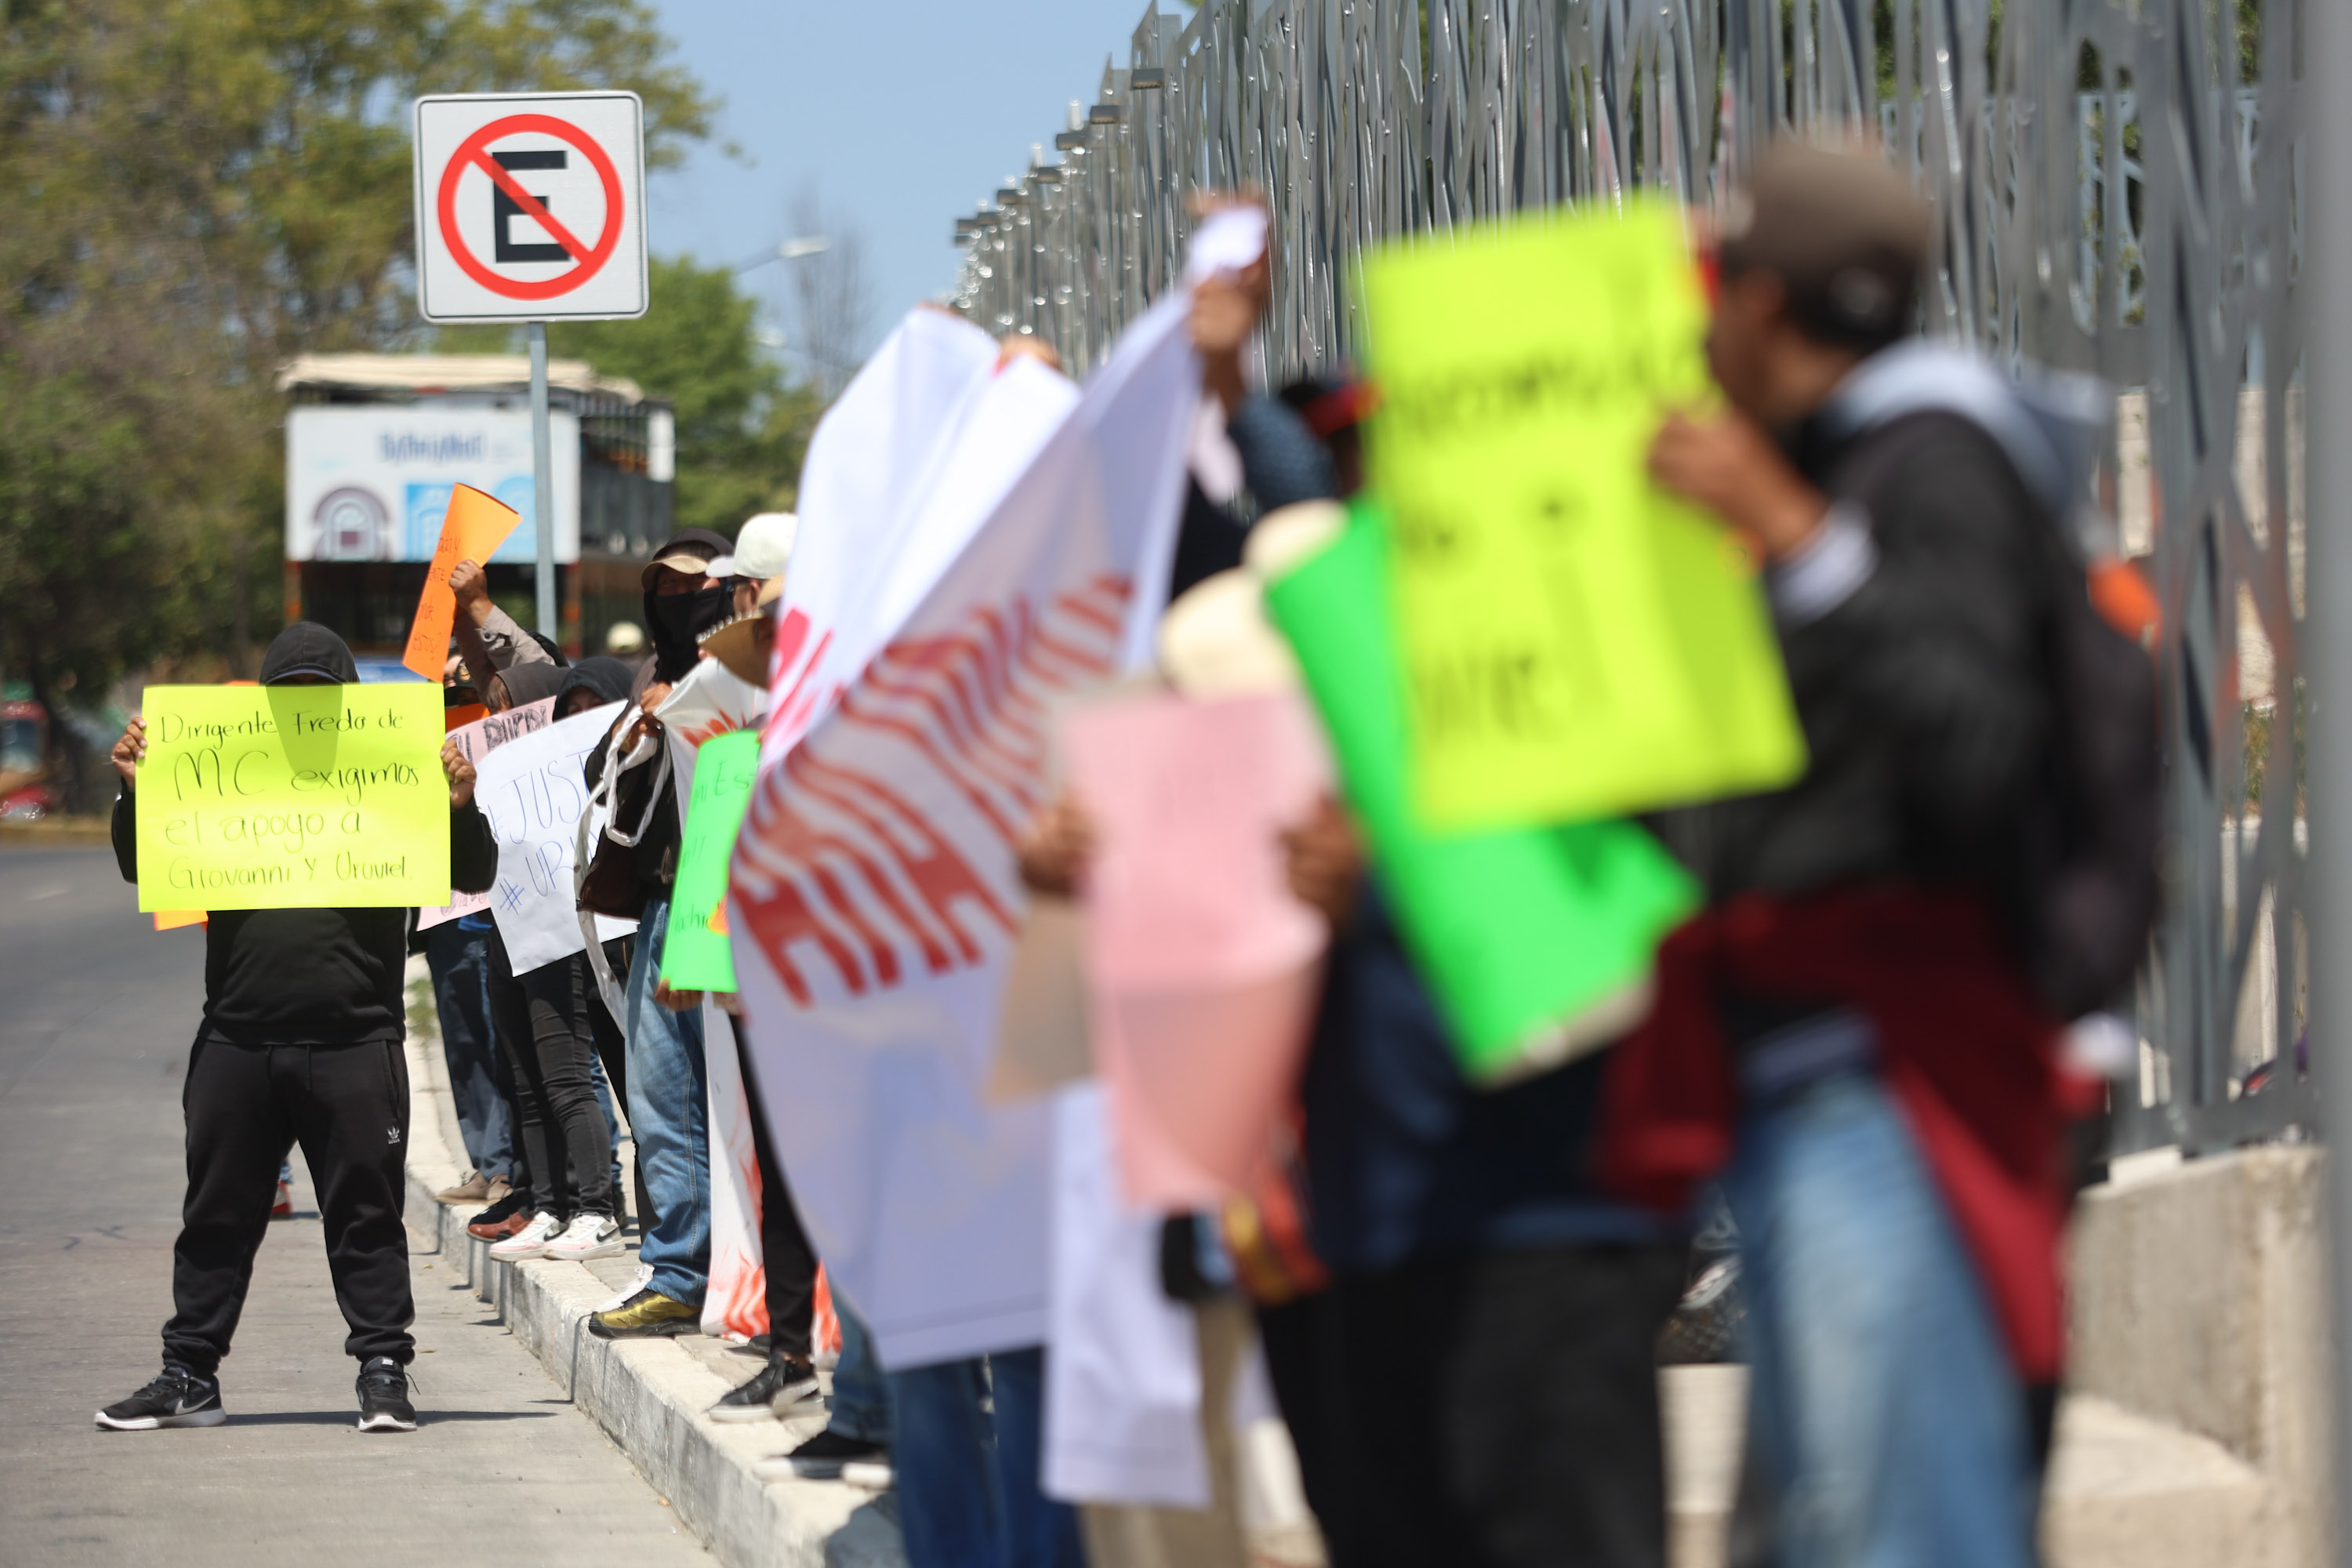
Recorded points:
(678, 619)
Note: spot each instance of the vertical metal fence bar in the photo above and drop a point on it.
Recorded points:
(2118, 186)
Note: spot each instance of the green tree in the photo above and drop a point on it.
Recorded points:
(197, 190)
(742, 424)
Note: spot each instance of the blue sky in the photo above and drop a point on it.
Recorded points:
(903, 114)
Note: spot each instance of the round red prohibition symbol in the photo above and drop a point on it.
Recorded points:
(586, 260)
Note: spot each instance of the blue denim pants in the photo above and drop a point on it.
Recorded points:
(861, 1393)
(457, 953)
(968, 1488)
(670, 1100)
(1888, 1419)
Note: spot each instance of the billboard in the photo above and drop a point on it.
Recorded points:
(370, 481)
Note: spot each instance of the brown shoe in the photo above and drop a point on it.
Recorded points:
(501, 1190)
(474, 1189)
(498, 1230)
(502, 1219)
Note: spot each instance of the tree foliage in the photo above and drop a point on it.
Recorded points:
(197, 190)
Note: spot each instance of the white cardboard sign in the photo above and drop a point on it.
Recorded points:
(477, 740)
(530, 207)
(533, 791)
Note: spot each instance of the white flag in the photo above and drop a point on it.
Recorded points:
(875, 897)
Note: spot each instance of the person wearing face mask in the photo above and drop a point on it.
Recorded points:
(667, 1088)
(301, 1042)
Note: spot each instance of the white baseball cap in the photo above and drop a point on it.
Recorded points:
(763, 548)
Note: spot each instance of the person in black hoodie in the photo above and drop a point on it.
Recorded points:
(301, 1042)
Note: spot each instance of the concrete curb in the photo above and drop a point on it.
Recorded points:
(56, 832)
(648, 1396)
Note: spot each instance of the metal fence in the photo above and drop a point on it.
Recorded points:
(2118, 188)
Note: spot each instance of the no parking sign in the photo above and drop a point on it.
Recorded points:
(530, 207)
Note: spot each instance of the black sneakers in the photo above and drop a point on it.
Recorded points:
(827, 1456)
(383, 1397)
(177, 1397)
(783, 1382)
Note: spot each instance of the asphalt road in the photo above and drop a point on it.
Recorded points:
(97, 1010)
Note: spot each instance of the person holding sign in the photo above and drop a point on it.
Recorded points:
(1851, 1031)
(301, 1042)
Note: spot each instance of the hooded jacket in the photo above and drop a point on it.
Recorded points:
(527, 683)
(607, 679)
(311, 977)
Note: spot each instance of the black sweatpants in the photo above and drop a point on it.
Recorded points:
(541, 1020)
(347, 1107)
(1493, 1409)
(613, 1052)
(785, 1253)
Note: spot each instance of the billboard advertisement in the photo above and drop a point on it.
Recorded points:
(370, 481)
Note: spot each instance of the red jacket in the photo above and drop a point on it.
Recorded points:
(1967, 1051)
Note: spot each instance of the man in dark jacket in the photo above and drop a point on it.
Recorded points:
(669, 1092)
(301, 1042)
(1849, 1022)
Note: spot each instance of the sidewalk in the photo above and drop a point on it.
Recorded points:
(2125, 1491)
(648, 1396)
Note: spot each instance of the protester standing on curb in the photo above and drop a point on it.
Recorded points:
(302, 1043)
(668, 1085)
(1850, 1020)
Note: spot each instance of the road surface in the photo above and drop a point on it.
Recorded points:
(97, 1010)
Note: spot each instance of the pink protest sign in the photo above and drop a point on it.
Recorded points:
(1203, 968)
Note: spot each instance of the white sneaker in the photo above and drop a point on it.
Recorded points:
(588, 1236)
(530, 1241)
(620, 1299)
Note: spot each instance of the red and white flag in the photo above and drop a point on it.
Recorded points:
(874, 897)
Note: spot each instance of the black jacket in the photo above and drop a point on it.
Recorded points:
(312, 977)
(1921, 692)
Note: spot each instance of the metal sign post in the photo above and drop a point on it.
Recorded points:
(542, 482)
(530, 208)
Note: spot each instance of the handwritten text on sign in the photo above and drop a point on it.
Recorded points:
(478, 739)
(533, 790)
(263, 797)
(1575, 644)
(695, 957)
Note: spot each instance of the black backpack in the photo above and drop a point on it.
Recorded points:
(2082, 895)
(2089, 888)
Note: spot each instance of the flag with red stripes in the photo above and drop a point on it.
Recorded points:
(875, 898)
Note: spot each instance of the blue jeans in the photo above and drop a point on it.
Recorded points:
(669, 1098)
(968, 1492)
(1888, 1419)
(457, 953)
(861, 1393)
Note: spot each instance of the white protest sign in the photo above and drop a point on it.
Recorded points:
(533, 792)
(530, 207)
(478, 739)
(1123, 1385)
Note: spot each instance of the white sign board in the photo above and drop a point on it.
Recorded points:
(370, 481)
(533, 791)
(477, 740)
(530, 207)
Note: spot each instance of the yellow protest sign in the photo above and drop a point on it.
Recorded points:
(263, 797)
(1576, 643)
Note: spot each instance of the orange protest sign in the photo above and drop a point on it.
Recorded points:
(458, 718)
(471, 530)
(172, 920)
